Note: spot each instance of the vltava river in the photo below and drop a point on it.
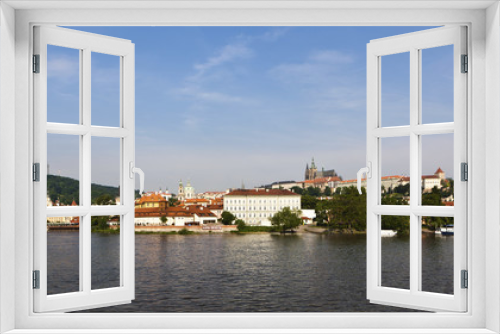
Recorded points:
(250, 272)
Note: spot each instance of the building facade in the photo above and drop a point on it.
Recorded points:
(186, 192)
(257, 206)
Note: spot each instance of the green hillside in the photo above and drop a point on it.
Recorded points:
(66, 190)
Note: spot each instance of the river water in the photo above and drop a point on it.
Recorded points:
(226, 272)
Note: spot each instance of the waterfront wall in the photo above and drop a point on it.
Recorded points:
(200, 229)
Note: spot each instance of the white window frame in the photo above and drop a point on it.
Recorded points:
(86, 44)
(482, 18)
(414, 43)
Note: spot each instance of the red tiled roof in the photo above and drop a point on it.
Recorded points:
(261, 192)
(195, 200)
(151, 198)
(452, 203)
(439, 170)
(174, 212)
(430, 177)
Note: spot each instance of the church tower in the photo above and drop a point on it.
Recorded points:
(189, 191)
(180, 195)
(311, 173)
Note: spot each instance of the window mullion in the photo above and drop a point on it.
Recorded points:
(414, 170)
(86, 163)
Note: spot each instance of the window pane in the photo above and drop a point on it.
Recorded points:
(395, 235)
(63, 254)
(63, 170)
(63, 85)
(106, 171)
(105, 252)
(395, 170)
(437, 254)
(395, 90)
(437, 170)
(437, 84)
(105, 89)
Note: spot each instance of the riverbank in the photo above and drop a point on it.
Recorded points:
(209, 228)
(321, 230)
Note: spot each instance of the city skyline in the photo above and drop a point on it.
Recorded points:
(252, 104)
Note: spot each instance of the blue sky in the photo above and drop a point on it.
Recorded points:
(226, 105)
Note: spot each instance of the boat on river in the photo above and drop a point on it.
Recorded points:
(446, 230)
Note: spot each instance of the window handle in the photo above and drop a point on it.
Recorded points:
(368, 171)
(134, 170)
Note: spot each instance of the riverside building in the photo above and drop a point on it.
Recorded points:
(257, 206)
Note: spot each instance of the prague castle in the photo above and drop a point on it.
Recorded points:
(312, 172)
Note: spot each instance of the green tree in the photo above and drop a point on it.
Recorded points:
(347, 210)
(322, 212)
(403, 189)
(163, 219)
(297, 190)
(172, 201)
(328, 191)
(308, 202)
(286, 219)
(227, 217)
(313, 191)
(400, 224)
(434, 199)
(105, 199)
(241, 224)
(100, 222)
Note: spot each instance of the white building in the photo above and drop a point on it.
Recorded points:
(431, 181)
(308, 216)
(257, 206)
(175, 216)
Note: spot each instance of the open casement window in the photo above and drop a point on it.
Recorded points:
(413, 291)
(81, 137)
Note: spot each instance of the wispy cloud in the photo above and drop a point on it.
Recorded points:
(221, 67)
(318, 68)
(63, 68)
(228, 53)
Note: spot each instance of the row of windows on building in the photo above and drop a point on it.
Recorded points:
(260, 208)
(264, 201)
(253, 215)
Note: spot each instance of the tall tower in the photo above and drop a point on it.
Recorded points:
(180, 195)
(306, 177)
(189, 191)
(312, 171)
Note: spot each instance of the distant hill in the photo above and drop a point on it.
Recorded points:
(66, 190)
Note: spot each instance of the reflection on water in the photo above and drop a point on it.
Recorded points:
(252, 272)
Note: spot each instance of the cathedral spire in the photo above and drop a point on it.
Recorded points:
(313, 165)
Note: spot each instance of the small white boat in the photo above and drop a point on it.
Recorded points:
(446, 230)
(387, 233)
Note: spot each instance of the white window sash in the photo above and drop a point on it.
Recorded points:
(414, 297)
(86, 297)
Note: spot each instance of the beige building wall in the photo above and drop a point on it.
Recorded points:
(258, 209)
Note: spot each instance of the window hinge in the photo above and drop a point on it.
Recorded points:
(465, 64)
(36, 172)
(465, 279)
(36, 279)
(36, 63)
(464, 172)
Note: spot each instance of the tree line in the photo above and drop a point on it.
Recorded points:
(346, 210)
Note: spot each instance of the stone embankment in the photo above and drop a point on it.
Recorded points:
(198, 229)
